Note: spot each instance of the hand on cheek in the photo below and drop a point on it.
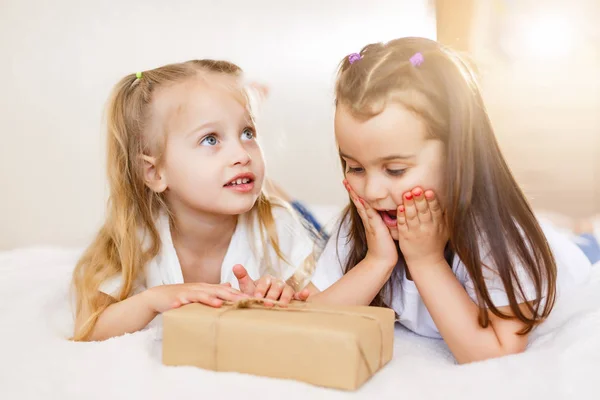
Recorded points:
(422, 233)
(380, 245)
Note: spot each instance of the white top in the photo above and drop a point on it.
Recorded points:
(572, 264)
(245, 248)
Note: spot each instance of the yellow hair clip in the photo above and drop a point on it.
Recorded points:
(138, 75)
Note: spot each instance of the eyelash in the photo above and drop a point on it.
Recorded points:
(396, 172)
(391, 172)
(251, 130)
(213, 135)
(354, 170)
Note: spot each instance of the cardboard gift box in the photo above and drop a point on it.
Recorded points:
(331, 346)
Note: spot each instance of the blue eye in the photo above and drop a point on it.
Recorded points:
(248, 134)
(210, 140)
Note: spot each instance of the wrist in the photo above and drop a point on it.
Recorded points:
(431, 261)
(149, 300)
(380, 264)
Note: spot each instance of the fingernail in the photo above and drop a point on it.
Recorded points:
(417, 192)
(429, 194)
(401, 209)
(361, 201)
(408, 195)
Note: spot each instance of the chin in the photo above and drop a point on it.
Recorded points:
(240, 206)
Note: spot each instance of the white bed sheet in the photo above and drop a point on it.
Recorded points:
(563, 361)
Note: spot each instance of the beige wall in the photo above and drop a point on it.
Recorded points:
(60, 58)
(543, 96)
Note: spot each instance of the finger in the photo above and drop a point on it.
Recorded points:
(222, 288)
(286, 295)
(195, 296)
(421, 205)
(275, 291)
(410, 212)
(401, 219)
(302, 295)
(262, 286)
(228, 294)
(358, 203)
(355, 199)
(434, 206)
(371, 213)
(246, 283)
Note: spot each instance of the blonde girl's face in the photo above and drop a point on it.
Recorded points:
(212, 162)
(387, 156)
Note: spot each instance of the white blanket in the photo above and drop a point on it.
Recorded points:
(562, 362)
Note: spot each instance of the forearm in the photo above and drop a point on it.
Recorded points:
(359, 286)
(455, 314)
(127, 316)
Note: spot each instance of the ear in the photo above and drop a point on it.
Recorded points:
(153, 178)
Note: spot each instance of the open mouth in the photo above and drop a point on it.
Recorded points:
(240, 181)
(389, 217)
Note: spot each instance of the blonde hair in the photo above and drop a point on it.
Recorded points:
(482, 199)
(117, 250)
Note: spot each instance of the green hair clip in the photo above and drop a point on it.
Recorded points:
(138, 75)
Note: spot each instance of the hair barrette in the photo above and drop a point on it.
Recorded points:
(138, 75)
(354, 57)
(417, 59)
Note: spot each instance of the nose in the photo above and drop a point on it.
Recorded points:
(375, 190)
(241, 156)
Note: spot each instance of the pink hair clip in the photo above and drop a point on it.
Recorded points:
(417, 59)
(354, 57)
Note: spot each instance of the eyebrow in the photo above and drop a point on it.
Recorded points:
(386, 158)
(200, 127)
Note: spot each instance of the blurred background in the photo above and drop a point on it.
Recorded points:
(538, 62)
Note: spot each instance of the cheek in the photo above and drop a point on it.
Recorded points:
(257, 157)
(356, 183)
(186, 168)
(258, 163)
(425, 178)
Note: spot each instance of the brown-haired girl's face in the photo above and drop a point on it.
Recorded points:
(388, 155)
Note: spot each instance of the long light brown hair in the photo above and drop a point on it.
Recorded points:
(133, 207)
(483, 202)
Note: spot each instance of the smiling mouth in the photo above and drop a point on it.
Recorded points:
(239, 181)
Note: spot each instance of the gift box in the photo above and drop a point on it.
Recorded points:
(331, 346)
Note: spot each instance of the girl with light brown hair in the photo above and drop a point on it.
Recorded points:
(437, 227)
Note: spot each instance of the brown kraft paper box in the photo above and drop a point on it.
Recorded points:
(331, 346)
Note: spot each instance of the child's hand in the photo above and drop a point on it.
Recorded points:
(381, 247)
(422, 232)
(267, 287)
(165, 297)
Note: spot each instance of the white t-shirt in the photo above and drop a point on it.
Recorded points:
(572, 264)
(245, 248)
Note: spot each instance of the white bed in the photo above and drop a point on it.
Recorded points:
(563, 361)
